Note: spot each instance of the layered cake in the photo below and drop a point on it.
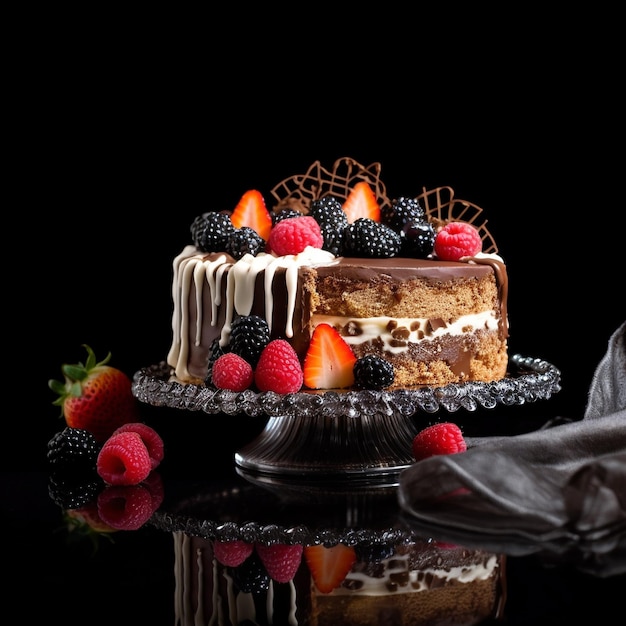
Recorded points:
(414, 301)
(413, 582)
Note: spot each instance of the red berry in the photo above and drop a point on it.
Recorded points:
(233, 372)
(278, 368)
(150, 437)
(232, 553)
(457, 240)
(125, 507)
(123, 460)
(293, 235)
(443, 438)
(280, 560)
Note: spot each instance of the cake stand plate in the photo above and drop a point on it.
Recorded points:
(359, 437)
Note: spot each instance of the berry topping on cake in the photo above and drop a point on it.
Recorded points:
(417, 240)
(151, 439)
(361, 203)
(73, 448)
(293, 235)
(368, 238)
(329, 361)
(280, 560)
(124, 460)
(251, 576)
(249, 334)
(442, 438)
(251, 211)
(457, 240)
(211, 231)
(233, 372)
(278, 368)
(329, 566)
(95, 396)
(373, 372)
(232, 553)
(244, 241)
(401, 212)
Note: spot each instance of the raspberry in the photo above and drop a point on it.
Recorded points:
(230, 371)
(124, 459)
(125, 507)
(443, 438)
(151, 439)
(279, 369)
(457, 240)
(232, 553)
(280, 560)
(293, 235)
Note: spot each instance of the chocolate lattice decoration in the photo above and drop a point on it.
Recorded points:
(300, 190)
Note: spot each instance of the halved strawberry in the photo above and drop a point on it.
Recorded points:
(329, 566)
(361, 203)
(329, 361)
(252, 212)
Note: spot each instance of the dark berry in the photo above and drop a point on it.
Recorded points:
(373, 372)
(284, 214)
(73, 448)
(367, 238)
(249, 334)
(244, 240)
(329, 210)
(373, 552)
(418, 239)
(400, 212)
(251, 576)
(72, 490)
(210, 231)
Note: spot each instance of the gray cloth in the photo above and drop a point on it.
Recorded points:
(563, 485)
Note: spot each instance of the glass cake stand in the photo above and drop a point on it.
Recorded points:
(337, 438)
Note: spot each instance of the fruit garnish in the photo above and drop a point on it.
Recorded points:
(151, 439)
(278, 368)
(125, 507)
(280, 560)
(124, 460)
(442, 438)
(329, 566)
(293, 235)
(252, 212)
(95, 396)
(457, 240)
(373, 372)
(329, 361)
(232, 553)
(361, 202)
(73, 449)
(233, 372)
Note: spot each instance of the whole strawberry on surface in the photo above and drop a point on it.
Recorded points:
(95, 396)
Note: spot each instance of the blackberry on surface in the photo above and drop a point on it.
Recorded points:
(418, 239)
(244, 240)
(73, 448)
(73, 491)
(373, 372)
(400, 212)
(249, 334)
(367, 238)
(210, 231)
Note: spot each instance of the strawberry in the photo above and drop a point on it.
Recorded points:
(329, 566)
(280, 560)
(252, 212)
(95, 397)
(442, 438)
(361, 202)
(329, 361)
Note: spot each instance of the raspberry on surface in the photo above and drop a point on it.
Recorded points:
(233, 372)
(125, 507)
(151, 439)
(124, 460)
(457, 240)
(279, 368)
(293, 235)
(442, 438)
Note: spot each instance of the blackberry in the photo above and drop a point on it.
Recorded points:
(373, 372)
(73, 448)
(215, 351)
(333, 238)
(244, 240)
(249, 334)
(73, 491)
(373, 552)
(418, 239)
(251, 576)
(401, 212)
(367, 238)
(284, 214)
(210, 231)
(329, 210)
